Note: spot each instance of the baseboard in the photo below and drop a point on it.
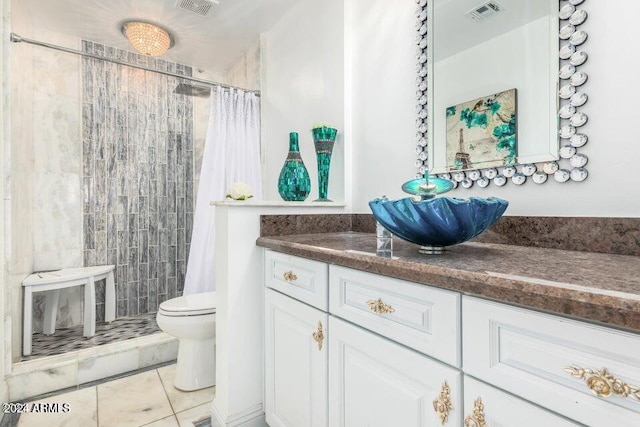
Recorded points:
(252, 417)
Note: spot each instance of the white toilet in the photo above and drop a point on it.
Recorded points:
(192, 319)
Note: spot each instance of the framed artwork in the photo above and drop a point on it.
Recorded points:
(483, 133)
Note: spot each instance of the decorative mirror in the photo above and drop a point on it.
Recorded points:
(498, 97)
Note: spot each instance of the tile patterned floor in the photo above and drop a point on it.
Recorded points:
(70, 339)
(144, 399)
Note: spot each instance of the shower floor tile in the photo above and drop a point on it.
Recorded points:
(71, 339)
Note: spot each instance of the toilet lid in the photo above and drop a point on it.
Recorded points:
(190, 305)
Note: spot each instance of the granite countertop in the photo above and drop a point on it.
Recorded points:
(592, 286)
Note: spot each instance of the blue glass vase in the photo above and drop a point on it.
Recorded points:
(294, 184)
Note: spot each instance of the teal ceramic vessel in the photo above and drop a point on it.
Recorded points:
(294, 184)
(323, 139)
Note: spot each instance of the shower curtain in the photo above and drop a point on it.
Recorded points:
(231, 154)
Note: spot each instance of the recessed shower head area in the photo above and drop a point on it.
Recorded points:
(103, 163)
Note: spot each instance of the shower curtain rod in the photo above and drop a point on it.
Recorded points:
(15, 38)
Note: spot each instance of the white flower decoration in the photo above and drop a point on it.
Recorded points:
(239, 191)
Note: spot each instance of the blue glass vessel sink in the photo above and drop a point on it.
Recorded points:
(438, 222)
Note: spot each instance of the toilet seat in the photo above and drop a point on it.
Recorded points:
(189, 305)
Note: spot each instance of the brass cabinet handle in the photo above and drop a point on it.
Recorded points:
(378, 306)
(476, 419)
(442, 404)
(289, 276)
(602, 383)
(318, 336)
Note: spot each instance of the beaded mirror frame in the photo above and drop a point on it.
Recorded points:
(571, 163)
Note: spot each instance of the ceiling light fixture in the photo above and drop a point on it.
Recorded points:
(146, 38)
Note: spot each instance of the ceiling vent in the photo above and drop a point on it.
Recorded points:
(200, 7)
(484, 11)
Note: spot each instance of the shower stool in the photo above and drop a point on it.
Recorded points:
(51, 282)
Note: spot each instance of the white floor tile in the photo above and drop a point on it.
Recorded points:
(132, 401)
(165, 422)
(188, 417)
(82, 410)
(183, 400)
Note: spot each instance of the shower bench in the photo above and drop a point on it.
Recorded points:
(52, 282)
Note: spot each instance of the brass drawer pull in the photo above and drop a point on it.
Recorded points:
(378, 306)
(289, 276)
(442, 404)
(476, 419)
(318, 336)
(602, 383)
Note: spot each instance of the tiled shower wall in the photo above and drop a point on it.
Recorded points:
(137, 177)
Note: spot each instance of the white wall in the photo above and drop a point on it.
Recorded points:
(57, 149)
(303, 84)
(19, 192)
(613, 148)
(5, 135)
(245, 72)
(380, 97)
(46, 169)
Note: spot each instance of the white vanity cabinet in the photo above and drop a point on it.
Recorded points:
(574, 368)
(296, 363)
(300, 278)
(376, 382)
(485, 406)
(347, 348)
(295, 341)
(423, 318)
(316, 375)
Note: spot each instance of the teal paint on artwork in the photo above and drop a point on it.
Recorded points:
(472, 118)
(494, 107)
(506, 135)
(451, 111)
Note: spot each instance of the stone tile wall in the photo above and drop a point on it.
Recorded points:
(138, 184)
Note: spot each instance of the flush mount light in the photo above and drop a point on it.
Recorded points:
(146, 38)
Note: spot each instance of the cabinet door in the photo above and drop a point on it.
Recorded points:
(376, 382)
(295, 363)
(488, 406)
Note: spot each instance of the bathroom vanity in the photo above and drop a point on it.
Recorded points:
(485, 334)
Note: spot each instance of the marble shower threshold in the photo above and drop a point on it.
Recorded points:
(73, 369)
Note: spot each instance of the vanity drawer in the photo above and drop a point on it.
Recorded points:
(423, 318)
(503, 409)
(532, 355)
(300, 278)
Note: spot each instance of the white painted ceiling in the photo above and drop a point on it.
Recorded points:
(454, 31)
(212, 43)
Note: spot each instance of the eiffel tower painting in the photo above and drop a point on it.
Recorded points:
(482, 133)
(463, 159)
